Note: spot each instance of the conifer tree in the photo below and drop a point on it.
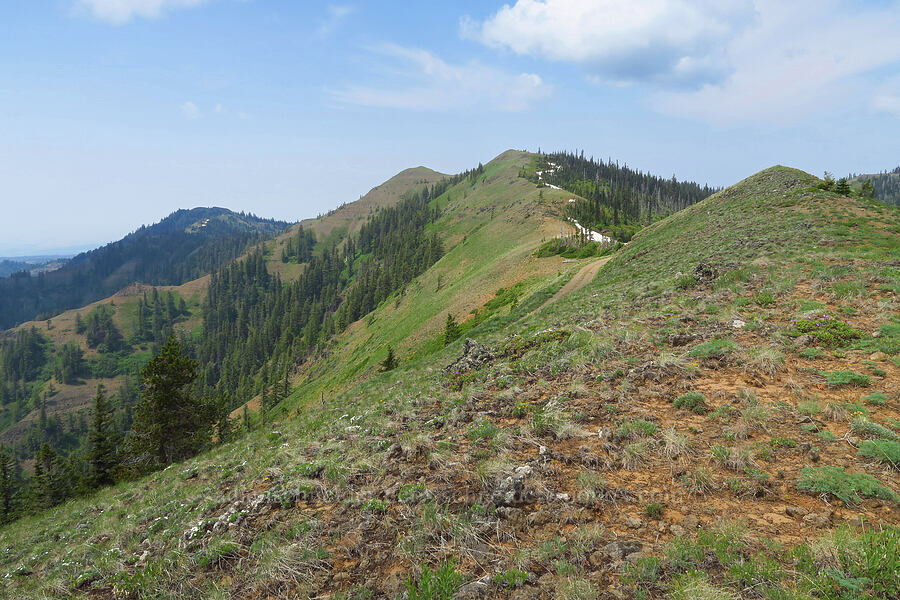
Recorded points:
(842, 187)
(170, 424)
(51, 483)
(102, 441)
(451, 330)
(7, 472)
(390, 361)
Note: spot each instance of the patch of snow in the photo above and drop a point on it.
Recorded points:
(592, 235)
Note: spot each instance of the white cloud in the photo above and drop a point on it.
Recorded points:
(426, 82)
(720, 61)
(189, 111)
(119, 12)
(335, 15)
(620, 41)
(800, 59)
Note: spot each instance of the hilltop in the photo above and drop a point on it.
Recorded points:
(181, 247)
(715, 414)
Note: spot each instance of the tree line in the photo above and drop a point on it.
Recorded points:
(615, 199)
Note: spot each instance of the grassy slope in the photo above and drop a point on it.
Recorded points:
(348, 218)
(483, 255)
(73, 398)
(324, 505)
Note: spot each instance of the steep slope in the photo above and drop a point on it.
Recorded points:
(183, 246)
(348, 218)
(710, 417)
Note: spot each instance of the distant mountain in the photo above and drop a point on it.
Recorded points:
(887, 185)
(181, 247)
(32, 264)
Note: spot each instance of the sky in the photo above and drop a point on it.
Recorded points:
(114, 113)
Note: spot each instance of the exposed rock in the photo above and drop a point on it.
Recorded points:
(676, 530)
(690, 523)
(804, 340)
(816, 520)
(622, 548)
(878, 356)
(633, 522)
(705, 273)
(738, 324)
(512, 491)
(475, 589)
(474, 356)
(796, 511)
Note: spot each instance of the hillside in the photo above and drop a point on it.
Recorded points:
(185, 245)
(886, 185)
(715, 415)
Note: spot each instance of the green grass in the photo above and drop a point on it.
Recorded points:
(827, 330)
(714, 348)
(847, 487)
(885, 451)
(636, 427)
(847, 378)
(692, 401)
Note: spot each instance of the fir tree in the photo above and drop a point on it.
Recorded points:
(7, 481)
(842, 187)
(170, 424)
(451, 330)
(51, 482)
(102, 441)
(390, 361)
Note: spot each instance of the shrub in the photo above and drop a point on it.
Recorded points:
(692, 401)
(884, 450)
(684, 282)
(654, 510)
(434, 585)
(847, 487)
(511, 579)
(876, 399)
(483, 430)
(861, 426)
(764, 299)
(714, 348)
(841, 378)
(809, 408)
(827, 330)
(634, 454)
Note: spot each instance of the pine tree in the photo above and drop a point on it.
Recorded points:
(51, 483)
(102, 442)
(170, 424)
(7, 472)
(390, 361)
(451, 330)
(842, 187)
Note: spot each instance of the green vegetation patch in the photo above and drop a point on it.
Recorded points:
(692, 401)
(842, 378)
(826, 330)
(863, 426)
(439, 584)
(714, 348)
(637, 427)
(847, 487)
(885, 451)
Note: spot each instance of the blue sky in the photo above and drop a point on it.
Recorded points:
(113, 113)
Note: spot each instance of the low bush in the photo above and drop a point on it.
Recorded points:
(692, 401)
(847, 487)
(826, 330)
(885, 451)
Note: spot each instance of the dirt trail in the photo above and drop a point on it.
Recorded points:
(579, 280)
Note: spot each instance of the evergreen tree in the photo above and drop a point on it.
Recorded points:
(842, 187)
(7, 483)
(170, 424)
(102, 441)
(390, 361)
(867, 189)
(451, 330)
(51, 482)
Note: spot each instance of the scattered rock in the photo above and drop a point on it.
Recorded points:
(676, 530)
(474, 356)
(738, 324)
(394, 451)
(796, 511)
(621, 549)
(878, 356)
(475, 589)
(705, 273)
(804, 340)
(690, 523)
(816, 520)
(512, 491)
(633, 522)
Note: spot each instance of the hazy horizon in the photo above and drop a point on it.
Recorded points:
(118, 112)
